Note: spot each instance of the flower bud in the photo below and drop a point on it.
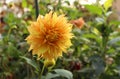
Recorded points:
(49, 63)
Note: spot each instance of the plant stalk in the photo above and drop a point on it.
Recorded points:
(36, 8)
(40, 77)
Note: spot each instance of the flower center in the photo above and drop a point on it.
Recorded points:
(51, 35)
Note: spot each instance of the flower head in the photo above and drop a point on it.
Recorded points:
(78, 22)
(50, 36)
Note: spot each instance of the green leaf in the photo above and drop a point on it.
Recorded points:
(84, 70)
(51, 75)
(108, 4)
(118, 68)
(24, 3)
(111, 50)
(58, 73)
(94, 9)
(99, 20)
(114, 41)
(92, 36)
(115, 22)
(64, 73)
(12, 50)
(31, 62)
(97, 64)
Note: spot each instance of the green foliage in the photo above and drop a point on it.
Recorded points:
(94, 9)
(108, 4)
(31, 62)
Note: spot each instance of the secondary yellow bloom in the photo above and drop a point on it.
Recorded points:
(49, 36)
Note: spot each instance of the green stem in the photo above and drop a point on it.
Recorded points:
(36, 8)
(41, 72)
(8, 34)
(104, 45)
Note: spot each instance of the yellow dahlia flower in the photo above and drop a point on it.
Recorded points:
(49, 36)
